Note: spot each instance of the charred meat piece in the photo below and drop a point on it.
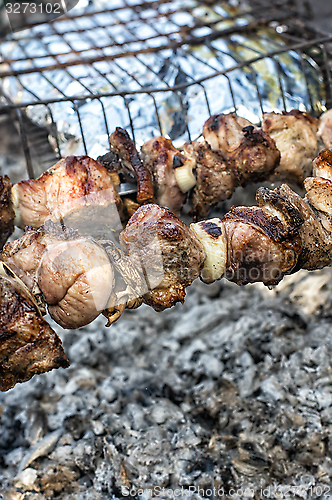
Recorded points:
(73, 274)
(252, 152)
(7, 214)
(325, 129)
(225, 132)
(122, 144)
(75, 182)
(161, 158)
(215, 180)
(165, 252)
(255, 158)
(295, 136)
(316, 241)
(260, 247)
(322, 165)
(28, 345)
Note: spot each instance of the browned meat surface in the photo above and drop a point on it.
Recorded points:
(165, 251)
(260, 248)
(7, 214)
(161, 158)
(295, 136)
(255, 158)
(73, 274)
(322, 165)
(122, 144)
(325, 129)
(215, 180)
(225, 132)
(73, 183)
(28, 345)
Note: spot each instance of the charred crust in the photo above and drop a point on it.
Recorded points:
(110, 161)
(269, 225)
(177, 161)
(7, 214)
(28, 345)
(280, 203)
(248, 130)
(213, 123)
(301, 115)
(211, 229)
(125, 147)
(325, 157)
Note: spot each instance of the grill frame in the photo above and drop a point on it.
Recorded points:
(281, 16)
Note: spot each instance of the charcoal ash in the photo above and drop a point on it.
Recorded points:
(232, 389)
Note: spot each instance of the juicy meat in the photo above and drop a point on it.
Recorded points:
(215, 180)
(252, 160)
(161, 157)
(122, 144)
(7, 214)
(260, 248)
(165, 252)
(28, 345)
(225, 133)
(252, 151)
(73, 274)
(75, 182)
(295, 136)
(255, 158)
(325, 129)
(322, 165)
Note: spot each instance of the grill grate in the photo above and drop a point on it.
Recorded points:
(156, 58)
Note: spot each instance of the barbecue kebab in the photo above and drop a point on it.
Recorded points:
(75, 276)
(231, 153)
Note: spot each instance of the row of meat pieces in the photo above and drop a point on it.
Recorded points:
(76, 277)
(232, 152)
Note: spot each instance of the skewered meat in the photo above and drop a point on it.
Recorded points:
(295, 136)
(6, 210)
(260, 247)
(165, 251)
(122, 144)
(325, 129)
(279, 236)
(252, 160)
(73, 274)
(216, 180)
(253, 151)
(73, 183)
(225, 132)
(161, 157)
(28, 345)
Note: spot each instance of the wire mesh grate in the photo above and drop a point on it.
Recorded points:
(156, 67)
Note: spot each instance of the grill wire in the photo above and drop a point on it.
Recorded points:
(172, 27)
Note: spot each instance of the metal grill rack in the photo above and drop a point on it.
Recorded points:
(141, 65)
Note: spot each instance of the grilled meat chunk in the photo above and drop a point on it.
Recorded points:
(165, 252)
(322, 165)
(73, 274)
(295, 136)
(7, 214)
(75, 182)
(253, 151)
(28, 345)
(325, 129)
(161, 158)
(252, 160)
(225, 132)
(260, 247)
(255, 158)
(215, 180)
(122, 144)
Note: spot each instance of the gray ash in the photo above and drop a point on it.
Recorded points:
(232, 390)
